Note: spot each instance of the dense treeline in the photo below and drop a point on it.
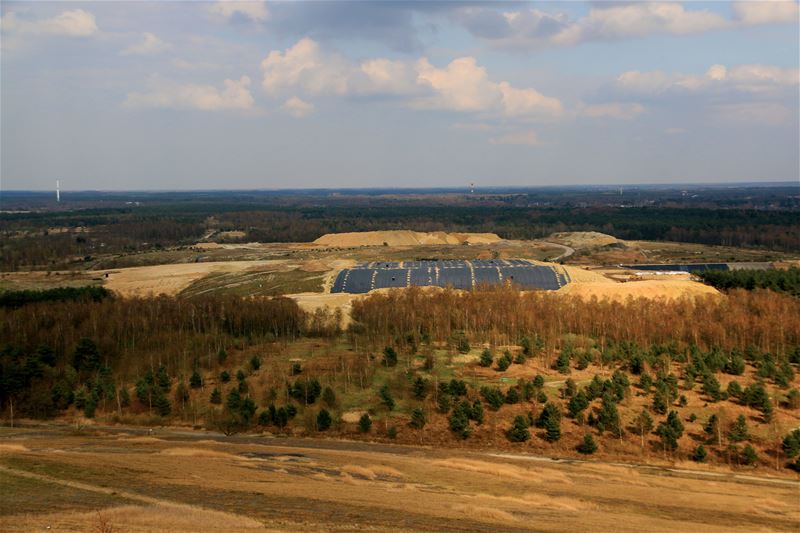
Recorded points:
(760, 319)
(20, 298)
(27, 240)
(779, 280)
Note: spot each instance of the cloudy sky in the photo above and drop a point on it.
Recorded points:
(195, 95)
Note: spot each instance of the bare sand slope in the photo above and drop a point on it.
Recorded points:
(584, 239)
(404, 238)
(669, 289)
(171, 279)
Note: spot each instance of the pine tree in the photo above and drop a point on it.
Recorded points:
(486, 359)
(550, 420)
(324, 420)
(389, 356)
(386, 397)
(195, 381)
(503, 363)
(162, 405)
(577, 404)
(608, 418)
(588, 446)
(216, 396)
(749, 455)
(699, 454)
(364, 423)
(738, 431)
(418, 419)
(519, 430)
(562, 362)
(670, 431)
(711, 428)
(459, 422)
(420, 387)
(329, 397)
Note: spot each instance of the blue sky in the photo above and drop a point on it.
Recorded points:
(198, 95)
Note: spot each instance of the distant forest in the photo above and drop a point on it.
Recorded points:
(777, 280)
(39, 238)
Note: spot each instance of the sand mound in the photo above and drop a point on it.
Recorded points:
(669, 289)
(170, 279)
(581, 275)
(404, 238)
(584, 239)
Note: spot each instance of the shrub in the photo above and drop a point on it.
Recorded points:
(486, 359)
(386, 397)
(562, 363)
(324, 420)
(225, 376)
(420, 387)
(216, 396)
(391, 432)
(329, 397)
(700, 454)
(493, 396)
(738, 431)
(389, 356)
(503, 363)
(255, 363)
(588, 446)
(443, 403)
(418, 419)
(364, 423)
(195, 381)
(459, 422)
(749, 455)
(512, 396)
(519, 430)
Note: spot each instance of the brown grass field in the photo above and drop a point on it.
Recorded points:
(119, 479)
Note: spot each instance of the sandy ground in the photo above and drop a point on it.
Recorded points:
(653, 289)
(171, 279)
(584, 239)
(404, 238)
(311, 301)
(183, 481)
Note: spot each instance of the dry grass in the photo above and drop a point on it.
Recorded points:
(404, 238)
(136, 518)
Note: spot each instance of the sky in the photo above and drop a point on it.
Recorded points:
(263, 95)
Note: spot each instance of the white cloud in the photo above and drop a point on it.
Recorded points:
(297, 107)
(616, 110)
(150, 45)
(234, 96)
(520, 138)
(744, 78)
(255, 11)
(753, 13)
(73, 23)
(533, 28)
(462, 85)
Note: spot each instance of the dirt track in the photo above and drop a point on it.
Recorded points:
(227, 483)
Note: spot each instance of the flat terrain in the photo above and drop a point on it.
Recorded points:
(63, 480)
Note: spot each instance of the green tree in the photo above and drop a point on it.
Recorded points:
(195, 381)
(503, 363)
(699, 455)
(389, 357)
(519, 430)
(329, 397)
(512, 396)
(749, 455)
(494, 397)
(364, 423)
(713, 430)
(550, 420)
(418, 419)
(577, 404)
(486, 359)
(791, 443)
(738, 431)
(670, 431)
(562, 362)
(225, 376)
(711, 388)
(459, 422)
(386, 397)
(588, 446)
(222, 355)
(161, 403)
(324, 420)
(420, 387)
(216, 396)
(608, 418)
